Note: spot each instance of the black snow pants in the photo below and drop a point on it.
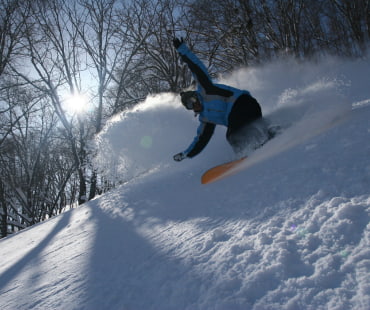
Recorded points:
(246, 128)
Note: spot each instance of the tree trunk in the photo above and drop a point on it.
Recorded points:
(4, 213)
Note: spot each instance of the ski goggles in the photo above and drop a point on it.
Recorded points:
(189, 99)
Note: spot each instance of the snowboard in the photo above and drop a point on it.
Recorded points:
(221, 171)
(218, 172)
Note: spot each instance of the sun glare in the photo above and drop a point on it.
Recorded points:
(76, 103)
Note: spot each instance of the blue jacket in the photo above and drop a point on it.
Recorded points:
(217, 101)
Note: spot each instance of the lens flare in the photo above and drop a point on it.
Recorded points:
(146, 142)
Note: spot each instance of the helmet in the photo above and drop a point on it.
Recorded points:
(189, 98)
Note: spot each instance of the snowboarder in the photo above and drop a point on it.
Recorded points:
(218, 104)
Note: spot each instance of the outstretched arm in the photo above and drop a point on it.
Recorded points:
(198, 69)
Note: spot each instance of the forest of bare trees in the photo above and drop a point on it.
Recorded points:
(115, 53)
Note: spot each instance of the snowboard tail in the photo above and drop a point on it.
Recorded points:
(220, 171)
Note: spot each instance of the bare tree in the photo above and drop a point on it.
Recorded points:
(24, 173)
(97, 27)
(161, 66)
(129, 79)
(54, 54)
(11, 31)
(150, 64)
(11, 35)
(350, 20)
(226, 33)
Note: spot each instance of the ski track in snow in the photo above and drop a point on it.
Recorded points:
(290, 232)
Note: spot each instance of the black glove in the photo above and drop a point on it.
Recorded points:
(177, 42)
(179, 156)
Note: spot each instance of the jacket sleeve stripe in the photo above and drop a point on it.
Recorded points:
(200, 72)
(204, 134)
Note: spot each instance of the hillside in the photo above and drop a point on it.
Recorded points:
(290, 231)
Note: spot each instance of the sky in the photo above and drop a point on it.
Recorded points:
(290, 230)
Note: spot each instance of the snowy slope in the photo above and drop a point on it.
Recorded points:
(289, 232)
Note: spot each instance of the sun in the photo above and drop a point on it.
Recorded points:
(76, 103)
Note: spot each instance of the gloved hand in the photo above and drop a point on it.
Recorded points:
(177, 42)
(179, 156)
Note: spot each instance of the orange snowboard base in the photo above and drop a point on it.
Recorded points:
(219, 171)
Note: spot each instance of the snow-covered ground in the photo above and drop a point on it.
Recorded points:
(290, 231)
